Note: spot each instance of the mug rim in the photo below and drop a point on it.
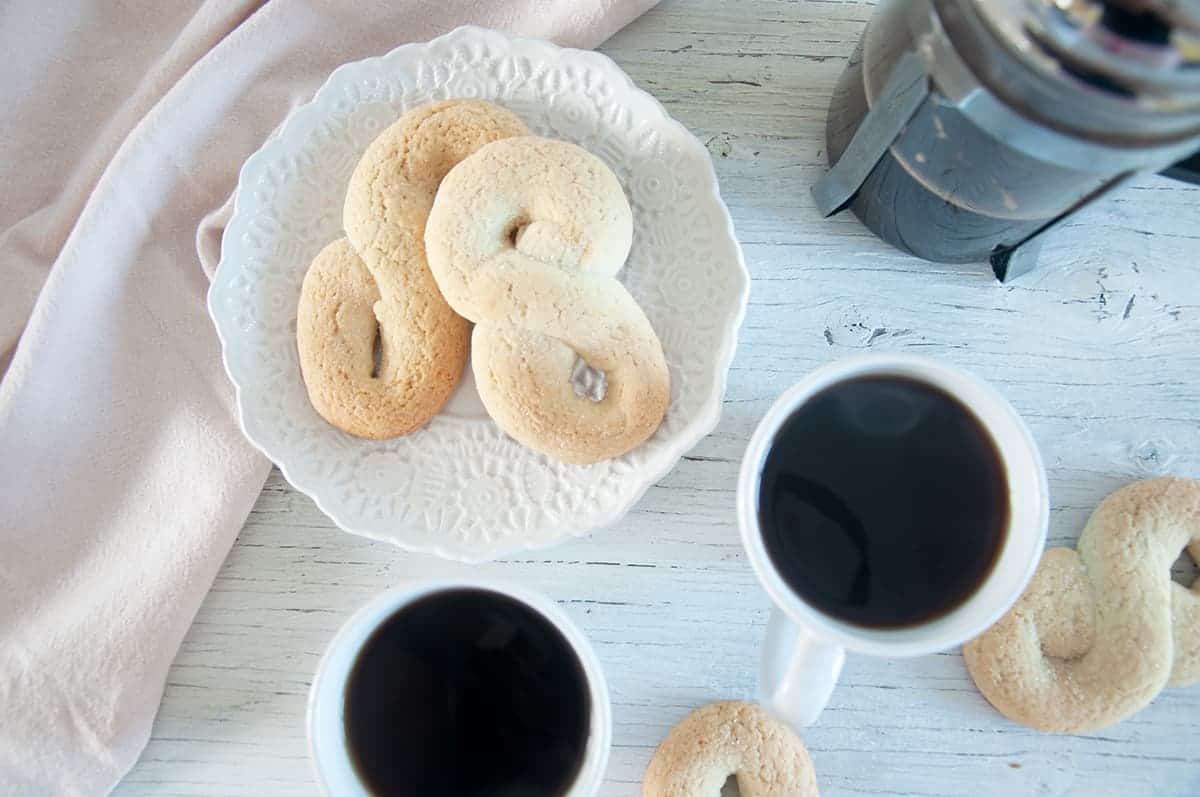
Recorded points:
(354, 633)
(1025, 536)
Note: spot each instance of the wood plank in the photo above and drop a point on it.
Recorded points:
(1098, 349)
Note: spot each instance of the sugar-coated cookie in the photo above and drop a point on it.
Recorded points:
(730, 738)
(1102, 628)
(524, 239)
(374, 285)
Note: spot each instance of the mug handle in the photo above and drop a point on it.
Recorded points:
(798, 671)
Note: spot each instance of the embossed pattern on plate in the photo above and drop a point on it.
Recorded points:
(460, 488)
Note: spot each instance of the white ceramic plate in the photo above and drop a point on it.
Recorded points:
(460, 488)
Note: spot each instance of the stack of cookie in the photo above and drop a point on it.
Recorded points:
(456, 215)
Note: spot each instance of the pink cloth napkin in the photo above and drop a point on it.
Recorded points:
(123, 476)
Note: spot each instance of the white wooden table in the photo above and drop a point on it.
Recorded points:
(1100, 350)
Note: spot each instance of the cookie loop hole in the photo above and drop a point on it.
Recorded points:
(588, 382)
(731, 789)
(516, 229)
(547, 242)
(376, 355)
(1186, 569)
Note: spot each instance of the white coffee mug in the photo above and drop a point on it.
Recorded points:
(326, 703)
(804, 648)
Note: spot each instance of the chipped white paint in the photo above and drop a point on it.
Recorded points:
(1100, 350)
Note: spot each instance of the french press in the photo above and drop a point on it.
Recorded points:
(965, 130)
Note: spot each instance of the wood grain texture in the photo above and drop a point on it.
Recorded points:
(1099, 349)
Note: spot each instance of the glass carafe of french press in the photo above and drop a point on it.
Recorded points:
(963, 130)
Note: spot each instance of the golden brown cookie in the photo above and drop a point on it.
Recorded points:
(374, 286)
(1101, 629)
(730, 738)
(524, 239)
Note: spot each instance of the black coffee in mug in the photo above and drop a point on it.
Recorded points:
(467, 693)
(883, 502)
